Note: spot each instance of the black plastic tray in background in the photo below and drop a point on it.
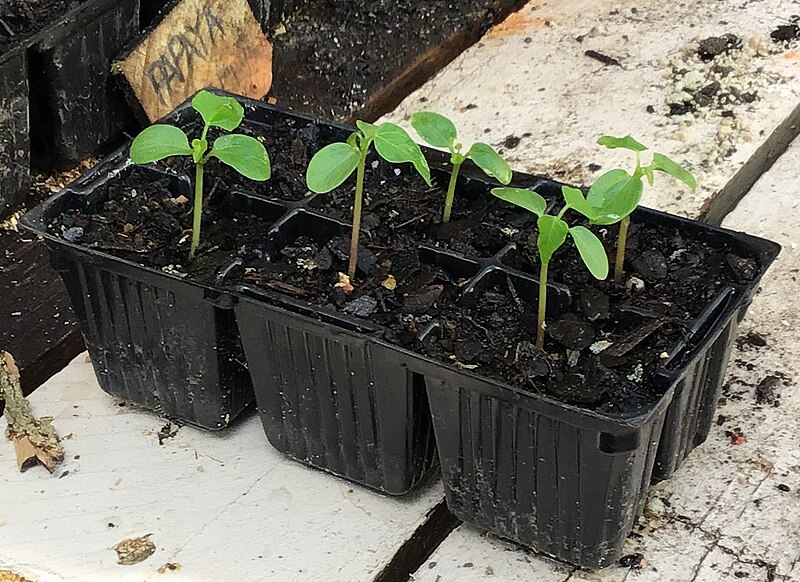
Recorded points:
(155, 340)
(14, 131)
(76, 107)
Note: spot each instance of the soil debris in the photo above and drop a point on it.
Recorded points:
(736, 436)
(634, 561)
(167, 431)
(605, 59)
(169, 567)
(752, 338)
(786, 33)
(134, 550)
(35, 440)
(767, 391)
(713, 46)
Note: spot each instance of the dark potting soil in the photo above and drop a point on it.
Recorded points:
(358, 47)
(495, 337)
(21, 18)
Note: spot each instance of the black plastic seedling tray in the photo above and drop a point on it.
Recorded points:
(334, 394)
(76, 107)
(15, 149)
(155, 340)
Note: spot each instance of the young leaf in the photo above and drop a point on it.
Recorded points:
(552, 234)
(396, 146)
(591, 250)
(368, 130)
(218, 110)
(158, 142)
(244, 154)
(615, 194)
(623, 199)
(490, 162)
(331, 166)
(626, 142)
(662, 163)
(604, 186)
(434, 128)
(527, 199)
(575, 200)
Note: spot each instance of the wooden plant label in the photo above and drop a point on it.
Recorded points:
(200, 43)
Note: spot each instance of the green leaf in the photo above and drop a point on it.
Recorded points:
(331, 166)
(527, 199)
(368, 130)
(490, 162)
(626, 142)
(575, 200)
(591, 250)
(552, 234)
(615, 194)
(158, 142)
(218, 110)
(243, 153)
(434, 128)
(396, 146)
(662, 163)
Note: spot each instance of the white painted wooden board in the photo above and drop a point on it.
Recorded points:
(222, 506)
(731, 512)
(529, 80)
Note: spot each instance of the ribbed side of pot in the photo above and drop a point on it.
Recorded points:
(339, 403)
(536, 480)
(163, 351)
(693, 408)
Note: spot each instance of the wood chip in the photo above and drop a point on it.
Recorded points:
(390, 283)
(344, 283)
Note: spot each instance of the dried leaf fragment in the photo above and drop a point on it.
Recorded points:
(9, 576)
(134, 550)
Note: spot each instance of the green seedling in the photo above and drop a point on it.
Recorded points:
(334, 163)
(440, 132)
(553, 231)
(617, 193)
(243, 153)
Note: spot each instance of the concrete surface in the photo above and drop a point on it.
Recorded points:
(221, 506)
(732, 511)
(529, 88)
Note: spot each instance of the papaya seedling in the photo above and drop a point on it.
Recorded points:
(617, 193)
(243, 153)
(438, 131)
(334, 163)
(552, 234)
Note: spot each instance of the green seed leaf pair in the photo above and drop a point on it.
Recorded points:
(553, 230)
(334, 163)
(243, 153)
(440, 132)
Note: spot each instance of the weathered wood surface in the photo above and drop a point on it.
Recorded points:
(217, 506)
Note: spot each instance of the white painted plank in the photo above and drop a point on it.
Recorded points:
(224, 506)
(726, 518)
(529, 78)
